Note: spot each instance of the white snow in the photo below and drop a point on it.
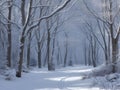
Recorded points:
(69, 78)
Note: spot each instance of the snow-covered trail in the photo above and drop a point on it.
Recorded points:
(69, 78)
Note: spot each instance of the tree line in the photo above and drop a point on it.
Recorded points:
(30, 21)
(28, 24)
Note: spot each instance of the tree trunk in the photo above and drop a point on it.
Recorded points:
(29, 50)
(9, 37)
(66, 50)
(23, 11)
(28, 56)
(115, 52)
(9, 49)
(65, 58)
(39, 56)
(18, 73)
(48, 50)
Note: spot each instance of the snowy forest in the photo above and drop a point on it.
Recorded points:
(59, 44)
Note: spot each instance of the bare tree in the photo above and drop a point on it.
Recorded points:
(59, 56)
(40, 42)
(91, 47)
(85, 53)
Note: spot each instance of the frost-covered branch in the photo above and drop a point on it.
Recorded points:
(48, 16)
(10, 21)
(38, 6)
(94, 14)
(55, 11)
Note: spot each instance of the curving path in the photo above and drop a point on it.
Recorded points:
(69, 78)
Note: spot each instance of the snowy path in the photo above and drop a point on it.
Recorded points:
(69, 78)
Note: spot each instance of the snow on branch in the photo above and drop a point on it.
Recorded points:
(55, 11)
(50, 15)
(41, 6)
(95, 14)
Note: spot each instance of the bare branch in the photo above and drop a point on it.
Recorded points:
(50, 15)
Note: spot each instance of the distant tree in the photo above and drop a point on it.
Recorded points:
(91, 47)
(29, 49)
(66, 49)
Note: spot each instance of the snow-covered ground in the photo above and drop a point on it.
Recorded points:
(69, 78)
